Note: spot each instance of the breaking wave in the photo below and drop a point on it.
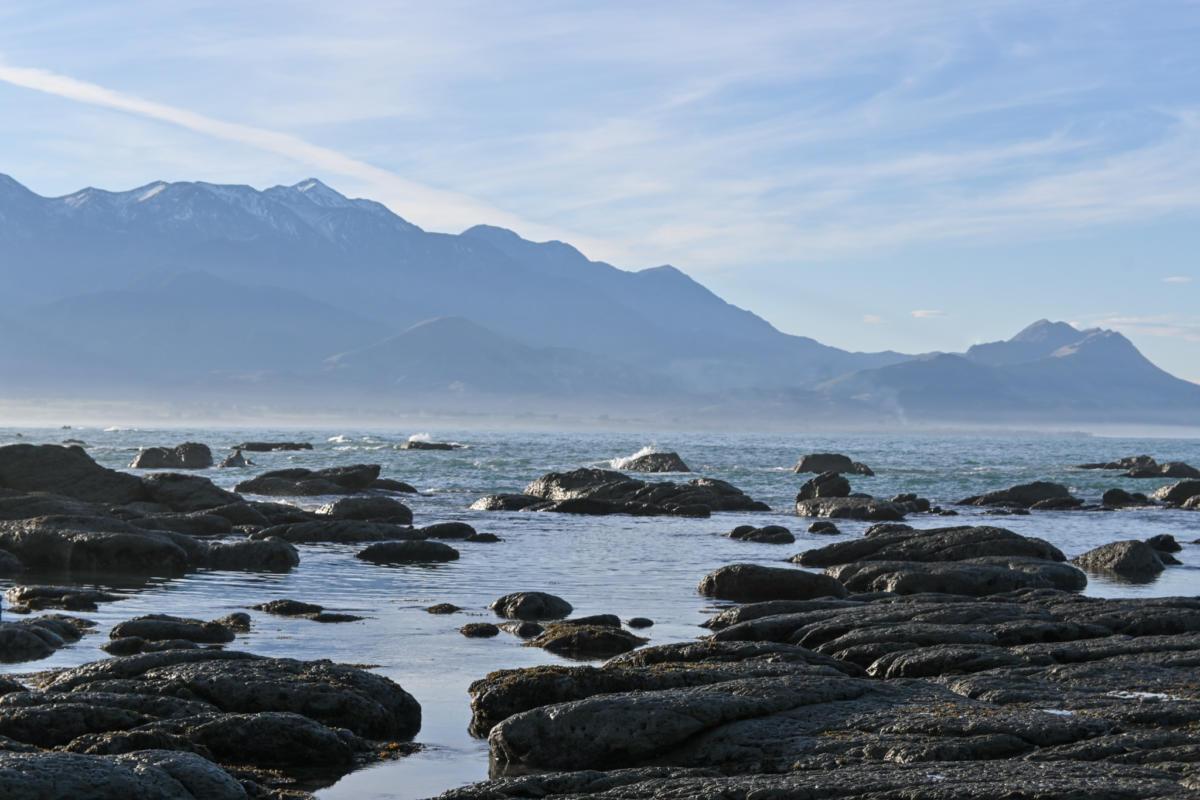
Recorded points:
(622, 463)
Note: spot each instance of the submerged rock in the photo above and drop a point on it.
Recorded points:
(831, 462)
(751, 582)
(586, 642)
(378, 509)
(768, 534)
(23, 599)
(267, 447)
(158, 627)
(861, 508)
(1119, 498)
(340, 530)
(824, 527)
(38, 638)
(479, 630)
(1024, 495)
(531, 606)
(300, 482)
(407, 552)
(444, 608)
(448, 530)
(392, 485)
(189, 455)
(1164, 543)
(1131, 559)
(419, 444)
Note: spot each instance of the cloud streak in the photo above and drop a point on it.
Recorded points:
(431, 207)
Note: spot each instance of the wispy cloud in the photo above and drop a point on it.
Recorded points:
(429, 206)
(873, 319)
(1177, 279)
(927, 314)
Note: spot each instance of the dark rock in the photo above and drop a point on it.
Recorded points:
(586, 642)
(827, 484)
(1021, 496)
(151, 774)
(1164, 543)
(37, 638)
(881, 528)
(602, 620)
(1129, 559)
(831, 462)
(379, 509)
(599, 491)
(189, 455)
(1119, 498)
(98, 545)
(639, 622)
(861, 508)
(333, 694)
(1129, 462)
(407, 552)
(443, 608)
(1171, 469)
(479, 630)
(448, 530)
(10, 565)
(67, 471)
(1057, 504)
(243, 514)
(768, 534)
(268, 554)
(236, 460)
(267, 447)
(157, 627)
(289, 608)
(751, 582)
(937, 544)
(418, 444)
(194, 524)
(345, 531)
(390, 485)
(484, 538)
(523, 630)
(531, 606)
(972, 577)
(329, 617)
(300, 482)
(1175, 494)
(67, 598)
(654, 462)
(824, 527)
(186, 492)
(238, 621)
(505, 502)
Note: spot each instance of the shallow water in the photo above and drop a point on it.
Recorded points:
(623, 565)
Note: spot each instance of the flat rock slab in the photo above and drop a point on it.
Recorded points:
(752, 582)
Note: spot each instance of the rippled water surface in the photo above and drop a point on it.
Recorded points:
(622, 565)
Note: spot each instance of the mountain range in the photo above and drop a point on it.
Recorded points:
(299, 298)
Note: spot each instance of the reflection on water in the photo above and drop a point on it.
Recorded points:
(623, 565)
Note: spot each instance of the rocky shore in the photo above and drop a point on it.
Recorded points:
(916, 660)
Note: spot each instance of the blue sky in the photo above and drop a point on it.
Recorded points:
(906, 175)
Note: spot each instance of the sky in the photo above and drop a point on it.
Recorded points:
(914, 175)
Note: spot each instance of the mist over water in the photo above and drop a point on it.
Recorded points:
(630, 566)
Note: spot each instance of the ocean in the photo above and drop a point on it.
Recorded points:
(629, 566)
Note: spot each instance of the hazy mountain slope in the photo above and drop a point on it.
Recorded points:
(1097, 376)
(451, 354)
(193, 324)
(359, 256)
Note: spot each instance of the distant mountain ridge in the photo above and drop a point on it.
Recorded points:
(198, 287)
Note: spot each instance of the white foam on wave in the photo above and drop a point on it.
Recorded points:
(341, 438)
(421, 437)
(622, 463)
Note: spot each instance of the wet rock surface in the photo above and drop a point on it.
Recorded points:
(1131, 559)
(831, 462)
(853, 507)
(601, 491)
(378, 509)
(300, 482)
(189, 455)
(1027, 694)
(768, 534)
(407, 552)
(655, 462)
(38, 637)
(752, 582)
(1026, 495)
(531, 606)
